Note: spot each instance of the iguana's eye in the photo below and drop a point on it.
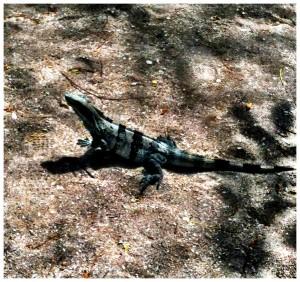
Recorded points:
(82, 96)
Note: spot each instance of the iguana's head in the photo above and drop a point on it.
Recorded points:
(91, 117)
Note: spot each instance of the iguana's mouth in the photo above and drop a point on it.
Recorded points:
(73, 99)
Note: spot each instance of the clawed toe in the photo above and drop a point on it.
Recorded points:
(84, 142)
(148, 180)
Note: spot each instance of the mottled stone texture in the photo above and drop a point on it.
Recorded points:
(219, 79)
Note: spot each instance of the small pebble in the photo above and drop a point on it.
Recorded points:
(14, 116)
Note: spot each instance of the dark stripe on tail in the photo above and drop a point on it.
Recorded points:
(224, 165)
(221, 164)
(185, 162)
(252, 168)
(137, 143)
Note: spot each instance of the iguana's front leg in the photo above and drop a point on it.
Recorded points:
(93, 146)
(84, 142)
(153, 173)
(100, 144)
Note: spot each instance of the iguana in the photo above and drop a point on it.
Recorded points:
(151, 153)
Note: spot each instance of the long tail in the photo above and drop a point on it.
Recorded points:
(184, 161)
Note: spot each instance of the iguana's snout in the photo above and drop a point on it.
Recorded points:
(85, 111)
(74, 99)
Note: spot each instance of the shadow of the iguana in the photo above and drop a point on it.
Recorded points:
(96, 161)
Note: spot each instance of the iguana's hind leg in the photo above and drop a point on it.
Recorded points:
(153, 173)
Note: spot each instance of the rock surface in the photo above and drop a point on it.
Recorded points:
(221, 82)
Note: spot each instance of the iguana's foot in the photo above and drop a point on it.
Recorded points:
(148, 180)
(84, 142)
(152, 172)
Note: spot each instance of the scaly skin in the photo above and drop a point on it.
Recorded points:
(152, 154)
